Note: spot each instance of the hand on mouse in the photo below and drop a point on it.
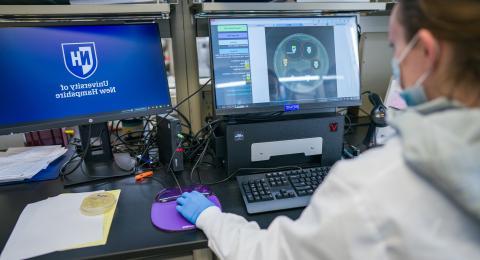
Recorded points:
(192, 204)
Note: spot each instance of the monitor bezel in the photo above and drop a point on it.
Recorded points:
(92, 118)
(304, 108)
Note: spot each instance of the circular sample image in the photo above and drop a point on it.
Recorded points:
(300, 62)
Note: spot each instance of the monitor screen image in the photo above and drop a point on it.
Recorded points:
(54, 76)
(282, 64)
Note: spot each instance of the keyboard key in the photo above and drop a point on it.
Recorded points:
(301, 188)
(264, 197)
(302, 193)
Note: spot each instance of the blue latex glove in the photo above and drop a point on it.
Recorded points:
(192, 204)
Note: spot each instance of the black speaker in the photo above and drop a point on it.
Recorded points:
(168, 130)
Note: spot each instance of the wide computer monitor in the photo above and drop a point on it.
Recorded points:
(66, 75)
(300, 64)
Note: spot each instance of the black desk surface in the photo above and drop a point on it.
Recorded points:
(132, 234)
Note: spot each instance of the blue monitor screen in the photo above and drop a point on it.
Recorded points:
(60, 73)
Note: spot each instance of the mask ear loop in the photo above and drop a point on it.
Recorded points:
(398, 61)
(408, 48)
(428, 73)
(424, 77)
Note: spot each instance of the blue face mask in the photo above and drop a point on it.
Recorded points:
(415, 94)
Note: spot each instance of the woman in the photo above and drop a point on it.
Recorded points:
(417, 197)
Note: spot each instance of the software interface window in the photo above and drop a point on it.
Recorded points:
(274, 61)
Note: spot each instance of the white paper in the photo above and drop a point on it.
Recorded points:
(393, 98)
(54, 224)
(22, 163)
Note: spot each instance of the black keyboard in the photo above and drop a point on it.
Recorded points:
(279, 190)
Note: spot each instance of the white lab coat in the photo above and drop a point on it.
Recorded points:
(372, 207)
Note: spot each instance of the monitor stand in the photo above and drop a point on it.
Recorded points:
(98, 164)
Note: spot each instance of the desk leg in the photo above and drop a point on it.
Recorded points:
(203, 254)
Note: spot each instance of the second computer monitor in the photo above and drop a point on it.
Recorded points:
(284, 64)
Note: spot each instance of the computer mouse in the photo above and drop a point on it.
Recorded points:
(164, 214)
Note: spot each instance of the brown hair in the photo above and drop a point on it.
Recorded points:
(455, 21)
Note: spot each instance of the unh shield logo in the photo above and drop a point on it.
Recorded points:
(80, 58)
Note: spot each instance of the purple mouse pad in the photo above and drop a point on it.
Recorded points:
(165, 216)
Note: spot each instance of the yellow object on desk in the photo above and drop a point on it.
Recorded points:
(107, 222)
(98, 203)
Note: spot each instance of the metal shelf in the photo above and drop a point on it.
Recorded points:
(213, 8)
(13, 11)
